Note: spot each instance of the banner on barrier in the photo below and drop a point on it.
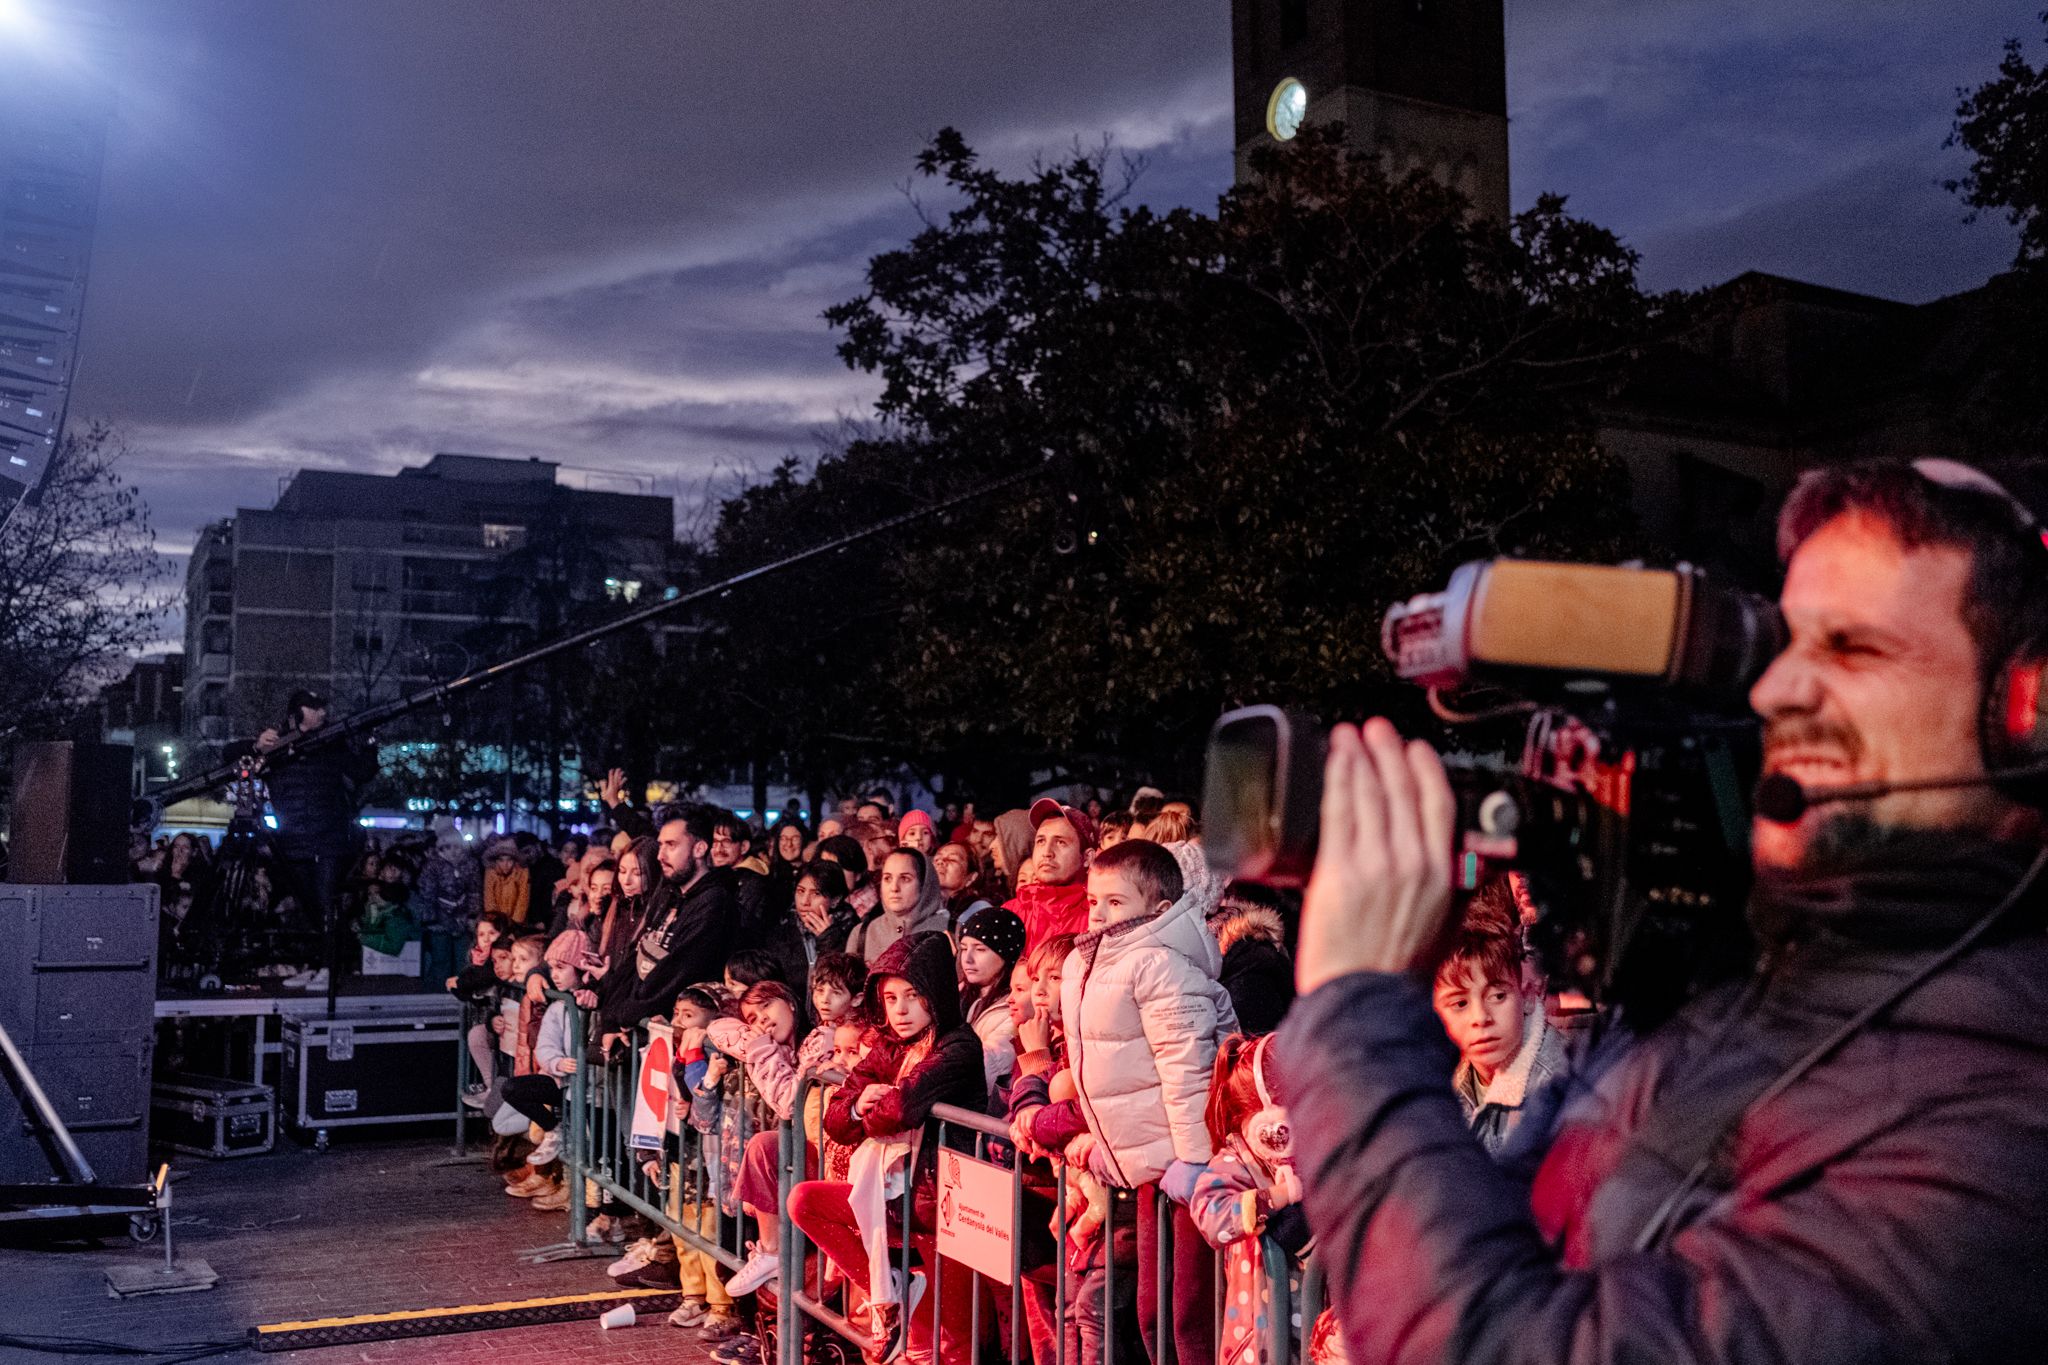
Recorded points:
(976, 1223)
(651, 1101)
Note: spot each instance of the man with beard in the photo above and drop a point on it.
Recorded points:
(1842, 1157)
(690, 928)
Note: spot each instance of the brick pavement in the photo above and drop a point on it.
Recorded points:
(371, 1226)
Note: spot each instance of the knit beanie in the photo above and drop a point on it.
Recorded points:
(916, 819)
(1000, 929)
(566, 949)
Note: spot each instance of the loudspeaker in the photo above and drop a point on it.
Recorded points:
(78, 997)
(69, 820)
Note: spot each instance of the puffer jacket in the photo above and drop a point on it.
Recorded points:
(1885, 1206)
(1143, 1010)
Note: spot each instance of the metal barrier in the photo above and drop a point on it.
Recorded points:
(1286, 1330)
(596, 1147)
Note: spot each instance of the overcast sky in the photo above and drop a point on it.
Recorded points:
(350, 233)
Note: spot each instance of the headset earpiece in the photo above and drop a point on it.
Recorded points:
(1267, 1132)
(2015, 721)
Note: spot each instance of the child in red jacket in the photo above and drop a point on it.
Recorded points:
(921, 1055)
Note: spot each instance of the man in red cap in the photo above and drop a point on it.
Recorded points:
(1055, 901)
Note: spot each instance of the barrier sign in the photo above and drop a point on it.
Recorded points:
(976, 1226)
(651, 1100)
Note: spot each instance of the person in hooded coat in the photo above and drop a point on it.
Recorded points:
(905, 1071)
(1258, 975)
(911, 903)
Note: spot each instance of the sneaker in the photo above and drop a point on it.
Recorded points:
(689, 1312)
(742, 1348)
(531, 1186)
(599, 1228)
(550, 1147)
(474, 1096)
(637, 1255)
(316, 982)
(892, 1320)
(654, 1275)
(553, 1199)
(719, 1325)
(761, 1267)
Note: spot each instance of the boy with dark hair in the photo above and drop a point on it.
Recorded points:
(1506, 1048)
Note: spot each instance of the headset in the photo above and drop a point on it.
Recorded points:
(2013, 728)
(1267, 1132)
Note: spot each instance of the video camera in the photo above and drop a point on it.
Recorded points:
(1625, 811)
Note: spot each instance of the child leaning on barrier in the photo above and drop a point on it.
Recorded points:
(1039, 1123)
(837, 980)
(1144, 1009)
(1248, 1190)
(921, 1056)
(556, 1056)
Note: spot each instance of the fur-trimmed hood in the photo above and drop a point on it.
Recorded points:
(1247, 922)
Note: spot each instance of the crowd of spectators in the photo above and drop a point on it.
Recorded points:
(1079, 974)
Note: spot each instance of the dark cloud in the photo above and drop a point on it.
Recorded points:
(349, 235)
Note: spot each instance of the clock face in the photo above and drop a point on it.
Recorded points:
(1287, 108)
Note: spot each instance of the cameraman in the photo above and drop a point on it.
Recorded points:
(1748, 1183)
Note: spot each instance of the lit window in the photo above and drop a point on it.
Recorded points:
(622, 589)
(503, 536)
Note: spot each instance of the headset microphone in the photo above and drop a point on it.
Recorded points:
(1782, 801)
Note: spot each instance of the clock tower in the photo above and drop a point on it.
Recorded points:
(1422, 82)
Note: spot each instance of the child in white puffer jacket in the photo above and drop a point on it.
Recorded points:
(1144, 1012)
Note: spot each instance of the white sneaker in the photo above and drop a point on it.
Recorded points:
(637, 1255)
(761, 1267)
(550, 1147)
(316, 982)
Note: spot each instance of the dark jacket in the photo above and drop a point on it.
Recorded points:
(688, 937)
(1257, 973)
(951, 1073)
(1886, 1206)
(314, 797)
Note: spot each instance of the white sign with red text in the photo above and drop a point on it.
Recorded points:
(977, 1223)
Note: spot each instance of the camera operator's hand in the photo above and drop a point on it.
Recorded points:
(1379, 896)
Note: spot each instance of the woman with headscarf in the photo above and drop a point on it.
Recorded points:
(910, 904)
(1011, 853)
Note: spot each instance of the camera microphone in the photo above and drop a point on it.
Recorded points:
(1782, 801)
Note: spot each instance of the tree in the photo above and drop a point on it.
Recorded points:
(79, 590)
(1264, 426)
(2003, 123)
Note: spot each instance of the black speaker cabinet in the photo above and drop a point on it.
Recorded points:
(78, 997)
(69, 820)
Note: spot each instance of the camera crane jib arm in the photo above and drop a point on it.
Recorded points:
(371, 717)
